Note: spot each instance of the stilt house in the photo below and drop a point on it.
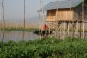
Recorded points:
(68, 15)
(68, 10)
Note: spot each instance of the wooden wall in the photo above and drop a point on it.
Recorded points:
(85, 10)
(51, 15)
(78, 12)
(63, 14)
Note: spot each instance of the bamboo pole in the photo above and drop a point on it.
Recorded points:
(83, 19)
(56, 27)
(24, 22)
(0, 9)
(76, 29)
(60, 30)
(73, 19)
(80, 29)
(64, 30)
(42, 13)
(74, 24)
(68, 28)
(3, 19)
(39, 11)
(39, 19)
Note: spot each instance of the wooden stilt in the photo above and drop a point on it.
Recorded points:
(80, 29)
(60, 30)
(62, 35)
(57, 20)
(73, 27)
(64, 30)
(83, 29)
(56, 30)
(68, 28)
(76, 29)
(83, 19)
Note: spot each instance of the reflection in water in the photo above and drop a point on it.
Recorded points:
(17, 35)
(63, 35)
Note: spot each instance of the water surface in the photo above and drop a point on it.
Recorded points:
(17, 35)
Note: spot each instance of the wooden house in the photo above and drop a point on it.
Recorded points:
(68, 15)
(68, 10)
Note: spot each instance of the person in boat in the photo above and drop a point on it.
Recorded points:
(44, 31)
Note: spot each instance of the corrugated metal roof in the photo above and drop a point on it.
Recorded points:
(62, 4)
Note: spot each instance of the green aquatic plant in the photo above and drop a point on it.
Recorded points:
(45, 48)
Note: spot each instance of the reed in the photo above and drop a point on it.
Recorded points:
(18, 26)
(19, 29)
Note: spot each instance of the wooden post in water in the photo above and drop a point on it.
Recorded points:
(73, 20)
(80, 29)
(39, 10)
(60, 29)
(83, 19)
(40, 18)
(68, 28)
(56, 27)
(64, 30)
(76, 29)
(24, 22)
(43, 13)
(3, 19)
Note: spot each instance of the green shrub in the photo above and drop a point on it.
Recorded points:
(45, 48)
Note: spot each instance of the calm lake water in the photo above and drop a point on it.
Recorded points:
(17, 35)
